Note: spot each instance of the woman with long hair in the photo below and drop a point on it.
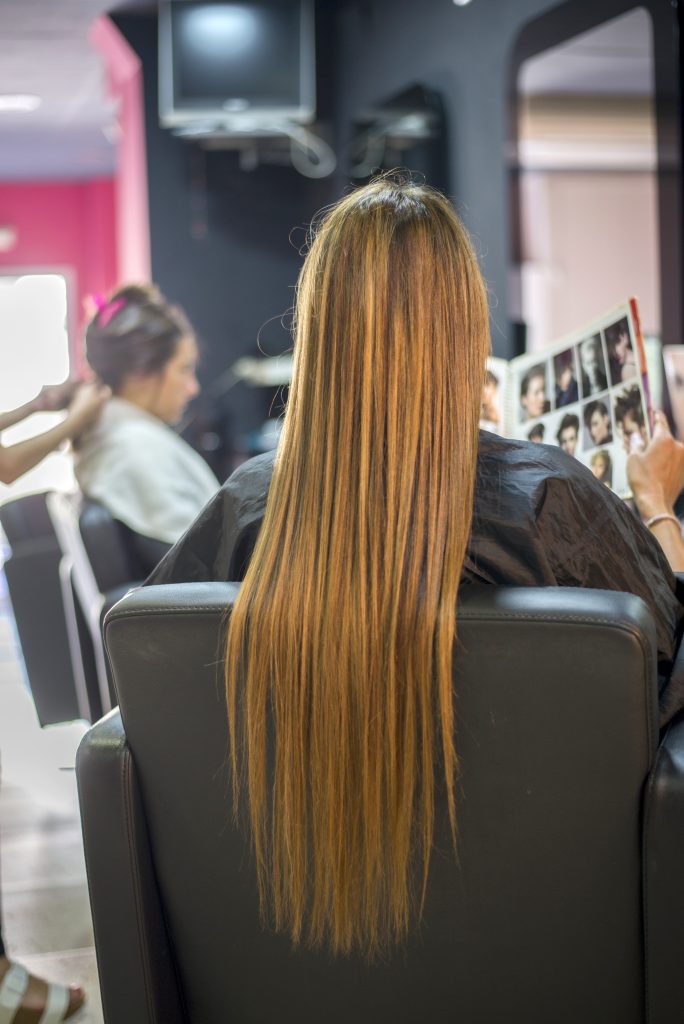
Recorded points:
(348, 607)
(352, 542)
(132, 461)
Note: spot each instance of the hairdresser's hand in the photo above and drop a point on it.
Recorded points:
(56, 396)
(656, 475)
(86, 407)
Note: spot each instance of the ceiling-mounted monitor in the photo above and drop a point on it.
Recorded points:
(236, 65)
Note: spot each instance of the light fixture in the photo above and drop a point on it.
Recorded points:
(19, 101)
(461, 3)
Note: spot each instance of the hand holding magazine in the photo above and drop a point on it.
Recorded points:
(587, 393)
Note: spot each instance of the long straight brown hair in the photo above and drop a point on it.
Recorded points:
(339, 653)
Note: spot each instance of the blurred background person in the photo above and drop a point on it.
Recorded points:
(673, 358)
(536, 434)
(490, 416)
(132, 461)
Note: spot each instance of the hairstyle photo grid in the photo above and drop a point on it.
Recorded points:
(587, 399)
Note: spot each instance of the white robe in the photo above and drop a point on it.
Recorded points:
(143, 472)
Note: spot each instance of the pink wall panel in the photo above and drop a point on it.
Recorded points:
(124, 75)
(67, 227)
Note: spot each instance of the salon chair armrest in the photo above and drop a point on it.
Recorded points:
(135, 960)
(664, 876)
(112, 597)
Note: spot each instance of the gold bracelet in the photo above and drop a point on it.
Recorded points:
(661, 518)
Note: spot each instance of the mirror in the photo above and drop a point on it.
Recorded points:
(590, 168)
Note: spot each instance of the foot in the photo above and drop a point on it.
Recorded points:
(35, 998)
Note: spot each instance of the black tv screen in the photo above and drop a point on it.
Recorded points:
(231, 60)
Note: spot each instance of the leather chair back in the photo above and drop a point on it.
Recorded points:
(104, 544)
(540, 920)
(33, 582)
(96, 571)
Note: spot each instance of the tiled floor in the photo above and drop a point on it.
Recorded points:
(46, 916)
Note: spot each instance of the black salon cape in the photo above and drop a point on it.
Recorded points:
(540, 519)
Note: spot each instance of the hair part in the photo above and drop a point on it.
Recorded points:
(136, 333)
(339, 650)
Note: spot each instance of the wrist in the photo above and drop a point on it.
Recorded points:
(69, 426)
(663, 519)
(652, 504)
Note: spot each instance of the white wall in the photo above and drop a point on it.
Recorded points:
(590, 242)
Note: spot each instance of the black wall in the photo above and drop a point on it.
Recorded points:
(225, 246)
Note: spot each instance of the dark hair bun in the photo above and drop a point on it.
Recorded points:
(136, 332)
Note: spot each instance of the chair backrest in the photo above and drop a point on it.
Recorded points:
(540, 920)
(105, 545)
(96, 563)
(33, 581)
(25, 519)
(65, 510)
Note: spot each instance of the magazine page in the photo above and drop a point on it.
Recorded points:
(673, 357)
(588, 393)
(655, 367)
(495, 396)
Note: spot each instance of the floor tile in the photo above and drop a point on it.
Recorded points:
(44, 898)
(76, 967)
(47, 920)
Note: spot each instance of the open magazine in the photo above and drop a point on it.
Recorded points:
(587, 393)
(673, 357)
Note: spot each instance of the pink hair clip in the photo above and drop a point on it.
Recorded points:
(108, 310)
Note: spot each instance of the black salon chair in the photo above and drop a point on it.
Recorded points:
(98, 567)
(567, 902)
(33, 582)
(116, 553)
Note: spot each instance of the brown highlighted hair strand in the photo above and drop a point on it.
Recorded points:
(339, 651)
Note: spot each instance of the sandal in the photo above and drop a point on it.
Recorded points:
(60, 1002)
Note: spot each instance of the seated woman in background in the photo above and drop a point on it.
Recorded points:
(132, 461)
(352, 541)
